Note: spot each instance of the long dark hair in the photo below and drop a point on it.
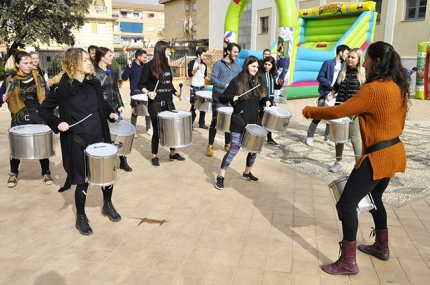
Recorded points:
(390, 67)
(159, 62)
(272, 60)
(100, 52)
(247, 82)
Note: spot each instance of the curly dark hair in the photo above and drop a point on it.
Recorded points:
(387, 65)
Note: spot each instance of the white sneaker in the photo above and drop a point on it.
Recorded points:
(136, 135)
(149, 132)
(310, 141)
(329, 142)
(336, 167)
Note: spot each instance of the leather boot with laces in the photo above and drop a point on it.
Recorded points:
(346, 264)
(109, 210)
(124, 165)
(82, 224)
(380, 248)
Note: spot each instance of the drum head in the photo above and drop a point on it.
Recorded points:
(225, 110)
(256, 130)
(101, 149)
(173, 115)
(140, 97)
(121, 128)
(278, 112)
(204, 94)
(343, 120)
(29, 129)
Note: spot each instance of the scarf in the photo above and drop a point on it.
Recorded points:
(15, 103)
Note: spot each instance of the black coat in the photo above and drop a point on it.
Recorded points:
(348, 87)
(77, 100)
(244, 111)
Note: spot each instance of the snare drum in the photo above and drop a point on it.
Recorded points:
(101, 162)
(203, 101)
(140, 106)
(254, 138)
(31, 142)
(276, 119)
(365, 205)
(339, 130)
(175, 129)
(122, 135)
(224, 118)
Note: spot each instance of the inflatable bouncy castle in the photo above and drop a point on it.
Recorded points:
(308, 37)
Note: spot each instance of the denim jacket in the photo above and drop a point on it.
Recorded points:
(221, 75)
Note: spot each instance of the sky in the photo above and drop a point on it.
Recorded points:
(139, 1)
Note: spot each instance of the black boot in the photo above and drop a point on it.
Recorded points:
(109, 210)
(82, 224)
(124, 165)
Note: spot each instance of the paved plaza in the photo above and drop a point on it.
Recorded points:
(278, 231)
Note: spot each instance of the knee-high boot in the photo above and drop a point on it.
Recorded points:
(380, 248)
(346, 264)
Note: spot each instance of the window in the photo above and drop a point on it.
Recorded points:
(194, 6)
(150, 15)
(378, 10)
(127, 27)
(101, 28)
(116, 40)
(123, 14)
(194, 27)
(187, 7)
(264, 25)
(160, 16)
(150, 29)
(415, 9)
(116, 27)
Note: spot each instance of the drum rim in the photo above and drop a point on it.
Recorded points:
(47, 131)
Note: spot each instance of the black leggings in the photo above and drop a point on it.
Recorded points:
(14, 166)
(81, 196)
(359, 184)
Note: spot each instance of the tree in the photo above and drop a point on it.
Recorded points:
(25, 22)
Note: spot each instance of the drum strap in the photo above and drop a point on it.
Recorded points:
(381, 145)
(80, 141)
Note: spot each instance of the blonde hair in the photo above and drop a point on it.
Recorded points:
(361, 75)
(36, 53)
(72, 62)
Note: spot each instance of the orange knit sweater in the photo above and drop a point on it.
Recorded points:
(382, 115)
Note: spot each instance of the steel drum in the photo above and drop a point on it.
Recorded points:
(140, 105)
(203, 101)
(339, 130)
(253, 138)
(101, 163)
(31, 142)
(122, 135)
(224, 118)
(175, 129)
(276, 119)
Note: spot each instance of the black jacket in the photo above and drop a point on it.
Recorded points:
(110, 87)
(72, 99)
(244, 111)
(348, 87)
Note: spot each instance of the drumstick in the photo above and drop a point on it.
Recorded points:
(81, 120)
(248, 91)
(160, 74)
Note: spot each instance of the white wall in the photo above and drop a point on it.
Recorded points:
(217, 11)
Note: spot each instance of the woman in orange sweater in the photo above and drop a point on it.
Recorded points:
(381, 105)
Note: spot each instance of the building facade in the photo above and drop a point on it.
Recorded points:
(137, 25)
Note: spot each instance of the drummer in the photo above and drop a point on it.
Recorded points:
(246, 111)
(223, 71)
(109, 81)
(268, 73)
(197, 70)
(79, 94)
(25, 92)
(133, 71)
(157, 73)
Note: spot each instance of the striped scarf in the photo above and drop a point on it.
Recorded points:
(15, 103)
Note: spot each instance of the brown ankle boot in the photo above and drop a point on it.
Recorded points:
(380, 248)
(346, 264)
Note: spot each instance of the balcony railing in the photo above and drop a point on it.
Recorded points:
(99, 9)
